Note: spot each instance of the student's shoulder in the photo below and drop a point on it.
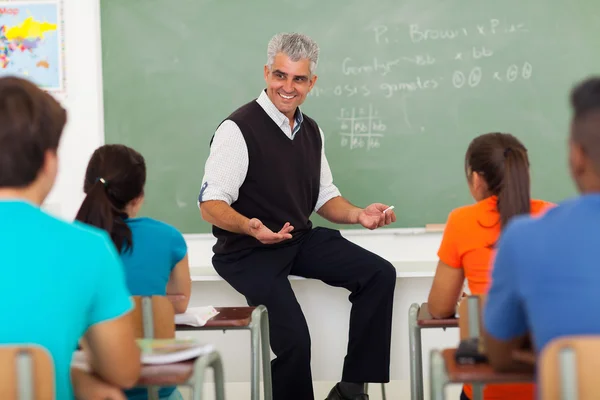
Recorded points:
(540, 207)
(75, 234)
(152, 224)
(464, 214)
(525, 228)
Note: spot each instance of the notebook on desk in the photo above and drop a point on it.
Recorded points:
(196, 316)
(166, 351)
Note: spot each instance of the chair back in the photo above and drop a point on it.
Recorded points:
(470, 319)
(26, 373)
(568, 368)
(154, 317)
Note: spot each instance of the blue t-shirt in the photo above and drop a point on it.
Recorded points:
(157, 248)
(56, 280)
(546, 277)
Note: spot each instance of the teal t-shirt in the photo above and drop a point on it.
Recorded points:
(157, 248)
(56, 280)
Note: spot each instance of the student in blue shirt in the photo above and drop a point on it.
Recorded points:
(546, 277)
(154, 253)
(61, 281)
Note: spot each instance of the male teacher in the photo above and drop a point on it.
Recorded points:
(265, 175)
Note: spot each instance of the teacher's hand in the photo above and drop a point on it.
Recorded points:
(373, 216)
(266, 236)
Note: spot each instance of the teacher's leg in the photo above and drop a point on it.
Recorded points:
(262, 277)
(327, 256)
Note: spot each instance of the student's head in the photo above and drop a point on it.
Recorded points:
(31, 124)
(114, 184)
(290, 70)
(497, 165)
(584, 143)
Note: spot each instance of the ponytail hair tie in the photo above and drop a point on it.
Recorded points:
(102, 181)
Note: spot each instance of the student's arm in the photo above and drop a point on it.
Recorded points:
(180, 283)
(109, 341)
(445, 290)
(505, 321)
(87, 386)
(449, 275)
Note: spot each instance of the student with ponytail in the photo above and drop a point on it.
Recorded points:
(497, 169)
(154, 254)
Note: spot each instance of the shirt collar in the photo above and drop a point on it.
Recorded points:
(280, 119)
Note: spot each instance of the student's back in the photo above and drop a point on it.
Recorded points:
(157, 248)
(469, 238)
(545, 279)
(497, 169)
(53, 275)
(60, 282)
(552, 263)
(154, 254)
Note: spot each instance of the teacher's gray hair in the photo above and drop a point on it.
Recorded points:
(294, 45)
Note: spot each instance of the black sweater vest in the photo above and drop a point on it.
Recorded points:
(283, 179)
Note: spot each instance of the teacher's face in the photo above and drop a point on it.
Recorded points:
(288, 83)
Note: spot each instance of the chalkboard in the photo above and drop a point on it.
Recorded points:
(403, 86)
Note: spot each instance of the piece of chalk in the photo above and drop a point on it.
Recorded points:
(389, 208)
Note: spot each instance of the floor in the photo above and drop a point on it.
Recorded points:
(395, 390)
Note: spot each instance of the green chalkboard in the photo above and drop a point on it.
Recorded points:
(403, 86)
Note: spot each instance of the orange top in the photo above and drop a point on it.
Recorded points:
(468, 243)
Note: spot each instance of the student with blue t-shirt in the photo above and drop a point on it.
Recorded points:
(546, 280)
(61, 281)
(154, 253)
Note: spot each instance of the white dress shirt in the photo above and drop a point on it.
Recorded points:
(227, 164)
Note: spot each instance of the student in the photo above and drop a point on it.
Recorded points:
(61, 280)
(546, 276)
(497, 169)
(154, 254)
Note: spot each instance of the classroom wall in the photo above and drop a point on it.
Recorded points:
(326, 309)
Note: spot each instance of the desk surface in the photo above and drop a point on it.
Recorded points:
(479, 373)
(404, 269)
(150, 375)
(228, 317)
(425, 320)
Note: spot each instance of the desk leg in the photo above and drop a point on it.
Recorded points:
(437, 376)
(153, 393)
(415, 352)
(477, 391)
(212, 360)
(266, 356)
(262, 317)
(255, 328)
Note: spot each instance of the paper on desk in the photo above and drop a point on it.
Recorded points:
(196, 316)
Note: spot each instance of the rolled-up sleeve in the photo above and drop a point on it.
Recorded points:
(227, 165)
(327, 190)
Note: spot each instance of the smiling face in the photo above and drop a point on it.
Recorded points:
(288, 83)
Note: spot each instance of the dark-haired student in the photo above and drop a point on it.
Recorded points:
(497, 169)
(154, 253)
(60, 280)
(546, 277)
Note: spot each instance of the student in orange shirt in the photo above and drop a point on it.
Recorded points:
(497, 171)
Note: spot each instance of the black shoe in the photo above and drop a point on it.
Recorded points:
(335, 394)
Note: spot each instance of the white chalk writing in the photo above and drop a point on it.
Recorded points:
(361, 128)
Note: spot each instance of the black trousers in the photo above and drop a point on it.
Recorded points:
(261, 275)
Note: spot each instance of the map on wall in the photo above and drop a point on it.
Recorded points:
(31, 42)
